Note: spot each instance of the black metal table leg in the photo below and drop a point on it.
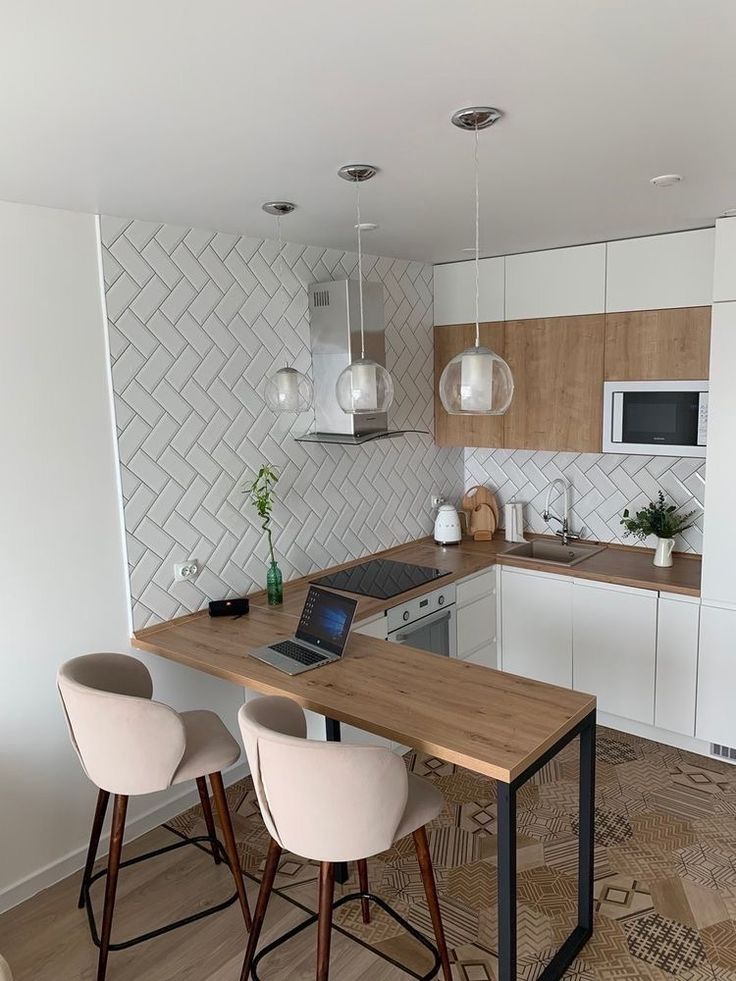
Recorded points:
(507, 955)
(332, 734)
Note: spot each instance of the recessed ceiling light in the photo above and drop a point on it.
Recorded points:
(366, 226)
(729, 213)
(666, 180)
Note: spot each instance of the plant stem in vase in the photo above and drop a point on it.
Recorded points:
(661, 520)
(262, 497)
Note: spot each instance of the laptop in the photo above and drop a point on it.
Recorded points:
(320, 637)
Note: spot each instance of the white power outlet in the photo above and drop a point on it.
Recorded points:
(185, 570)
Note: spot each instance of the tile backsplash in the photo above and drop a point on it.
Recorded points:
(197, 321)
(602, 485)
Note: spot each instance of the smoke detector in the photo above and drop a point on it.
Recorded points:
(666, 180)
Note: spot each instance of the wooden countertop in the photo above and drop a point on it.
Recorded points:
(619, 564)
(489, 721)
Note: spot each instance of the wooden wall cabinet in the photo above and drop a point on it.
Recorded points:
(464, 430)
(648, 345)
(557, 364)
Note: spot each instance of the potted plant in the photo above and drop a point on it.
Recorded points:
(661, 520)
(262, 496)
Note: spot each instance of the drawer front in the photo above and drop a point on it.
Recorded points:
(477, 586)
(476, 625)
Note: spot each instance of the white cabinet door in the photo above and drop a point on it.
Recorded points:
(614, 647)
(454, 292)
(556, 283)
(476, 615)
(678, 621)
(374, 627)
(536, 625)
(660, 271)
(724, 277)
(486, 657)
(719, 532)
(716, 715)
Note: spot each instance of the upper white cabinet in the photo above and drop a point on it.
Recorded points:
(660, 271)
(724, 276)
(536, 625)
(614, 647)
(454, 292)
(556, 283)
(716, 718)
(719, 533)
(677, 663)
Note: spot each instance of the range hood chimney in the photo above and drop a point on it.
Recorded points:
(334, 328)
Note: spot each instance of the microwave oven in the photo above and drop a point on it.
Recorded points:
(663, 418)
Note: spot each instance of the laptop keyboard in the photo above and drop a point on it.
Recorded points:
(301, 654)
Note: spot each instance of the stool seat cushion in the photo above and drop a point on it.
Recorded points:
(209, 746)
(424, 804)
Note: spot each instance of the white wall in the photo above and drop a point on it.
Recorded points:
(62, 567)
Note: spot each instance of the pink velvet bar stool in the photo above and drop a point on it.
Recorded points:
(333, 802)
(130, 744)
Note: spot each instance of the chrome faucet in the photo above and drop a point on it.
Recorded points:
(564, 522)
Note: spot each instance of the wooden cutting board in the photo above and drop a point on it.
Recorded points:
(481, 508)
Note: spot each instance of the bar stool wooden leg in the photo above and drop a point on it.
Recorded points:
(94, 840)
(264, 894)
(324, 926)
(223, 812)
(204, 798)
(365, 906)
(430, 891)
(120, 808)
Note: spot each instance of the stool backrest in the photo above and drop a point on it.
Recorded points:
(329, 802)
(126, 742)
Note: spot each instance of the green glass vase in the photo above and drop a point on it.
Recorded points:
(275, 585)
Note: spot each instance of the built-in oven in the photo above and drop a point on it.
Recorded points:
(427, 622)
(665, 418)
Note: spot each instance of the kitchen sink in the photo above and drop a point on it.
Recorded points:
(554, 553)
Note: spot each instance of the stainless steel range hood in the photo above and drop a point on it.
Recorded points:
(334, 327)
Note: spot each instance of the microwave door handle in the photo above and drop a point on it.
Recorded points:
(424, 622)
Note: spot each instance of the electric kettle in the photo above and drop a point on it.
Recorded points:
(447, 526)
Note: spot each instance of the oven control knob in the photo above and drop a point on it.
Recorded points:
(440, 600)
(406, 614)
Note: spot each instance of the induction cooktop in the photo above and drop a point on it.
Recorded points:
(381, 578)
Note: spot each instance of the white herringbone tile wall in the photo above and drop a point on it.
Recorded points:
(197, 321)
(603, 484)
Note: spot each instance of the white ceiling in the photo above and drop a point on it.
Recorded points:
(197, 112)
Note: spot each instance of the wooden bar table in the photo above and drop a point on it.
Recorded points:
(496, 724)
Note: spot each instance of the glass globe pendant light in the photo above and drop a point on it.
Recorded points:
(288, 390)
(478, 381)
(364, 387)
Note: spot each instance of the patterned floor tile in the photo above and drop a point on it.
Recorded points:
(665, 867)
(669, 945)
(620, 897)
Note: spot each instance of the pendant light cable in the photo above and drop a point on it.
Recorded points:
(360, 270)
(477, 242)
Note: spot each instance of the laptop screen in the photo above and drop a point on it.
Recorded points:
(326, 619)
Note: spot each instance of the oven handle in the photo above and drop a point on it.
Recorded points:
(425, 622)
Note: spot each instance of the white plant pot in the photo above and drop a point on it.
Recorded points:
(663, 552)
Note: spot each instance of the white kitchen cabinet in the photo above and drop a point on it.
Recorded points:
(724, 276)
(614, 647)
(454, 292)
(373, 627)
(476, 617)
(660, 271)
(556, 283)
(486, 657)
(719, 530)
(536, 625)
(678, 622)
(716, 716)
